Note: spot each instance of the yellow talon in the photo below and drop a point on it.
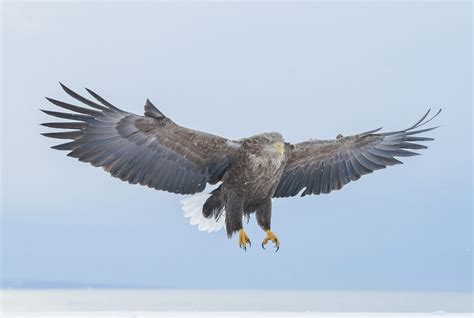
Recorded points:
(271, 237)
(243, 240)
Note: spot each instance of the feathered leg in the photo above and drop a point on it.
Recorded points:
(233, 220)
(264, 218)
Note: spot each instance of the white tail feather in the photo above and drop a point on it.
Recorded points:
(192, 207)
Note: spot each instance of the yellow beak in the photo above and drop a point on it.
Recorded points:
(280, 147)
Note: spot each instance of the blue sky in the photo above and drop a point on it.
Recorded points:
(308, 70)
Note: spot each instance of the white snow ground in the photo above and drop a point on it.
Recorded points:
(100, 303)
(230, 315)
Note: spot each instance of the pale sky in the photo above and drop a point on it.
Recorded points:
(308, 70)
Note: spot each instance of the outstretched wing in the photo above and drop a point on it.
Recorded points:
(149, 150)
(321, 166)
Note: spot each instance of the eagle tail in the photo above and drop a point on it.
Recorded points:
(193, 207)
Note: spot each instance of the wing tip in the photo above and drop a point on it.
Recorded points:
(90, 91)
(64, 87)
(64, 146)
(102, 100)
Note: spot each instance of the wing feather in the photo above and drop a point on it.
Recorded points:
(321, 166)
(150, 150)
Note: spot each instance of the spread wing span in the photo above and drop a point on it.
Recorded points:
(321, 166)
(149, 150)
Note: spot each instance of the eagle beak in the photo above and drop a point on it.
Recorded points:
(280, 147)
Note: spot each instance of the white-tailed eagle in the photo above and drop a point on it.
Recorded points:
(153, 151)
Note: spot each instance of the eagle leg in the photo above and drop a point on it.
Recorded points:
(271, 237)
(244, 240)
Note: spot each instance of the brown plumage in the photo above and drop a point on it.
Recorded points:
(154, 151)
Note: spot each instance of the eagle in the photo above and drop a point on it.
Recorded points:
(154, 151)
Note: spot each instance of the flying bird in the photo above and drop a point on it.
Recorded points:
(152, 150)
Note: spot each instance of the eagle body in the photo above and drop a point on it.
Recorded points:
(154, 151)
(250, 181)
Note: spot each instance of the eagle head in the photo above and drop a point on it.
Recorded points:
(274, 142)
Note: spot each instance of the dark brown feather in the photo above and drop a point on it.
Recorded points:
(150, 150)
(330, 164)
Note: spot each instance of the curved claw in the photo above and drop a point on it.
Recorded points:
(244, 240)
(271, 237)
(243, 246)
